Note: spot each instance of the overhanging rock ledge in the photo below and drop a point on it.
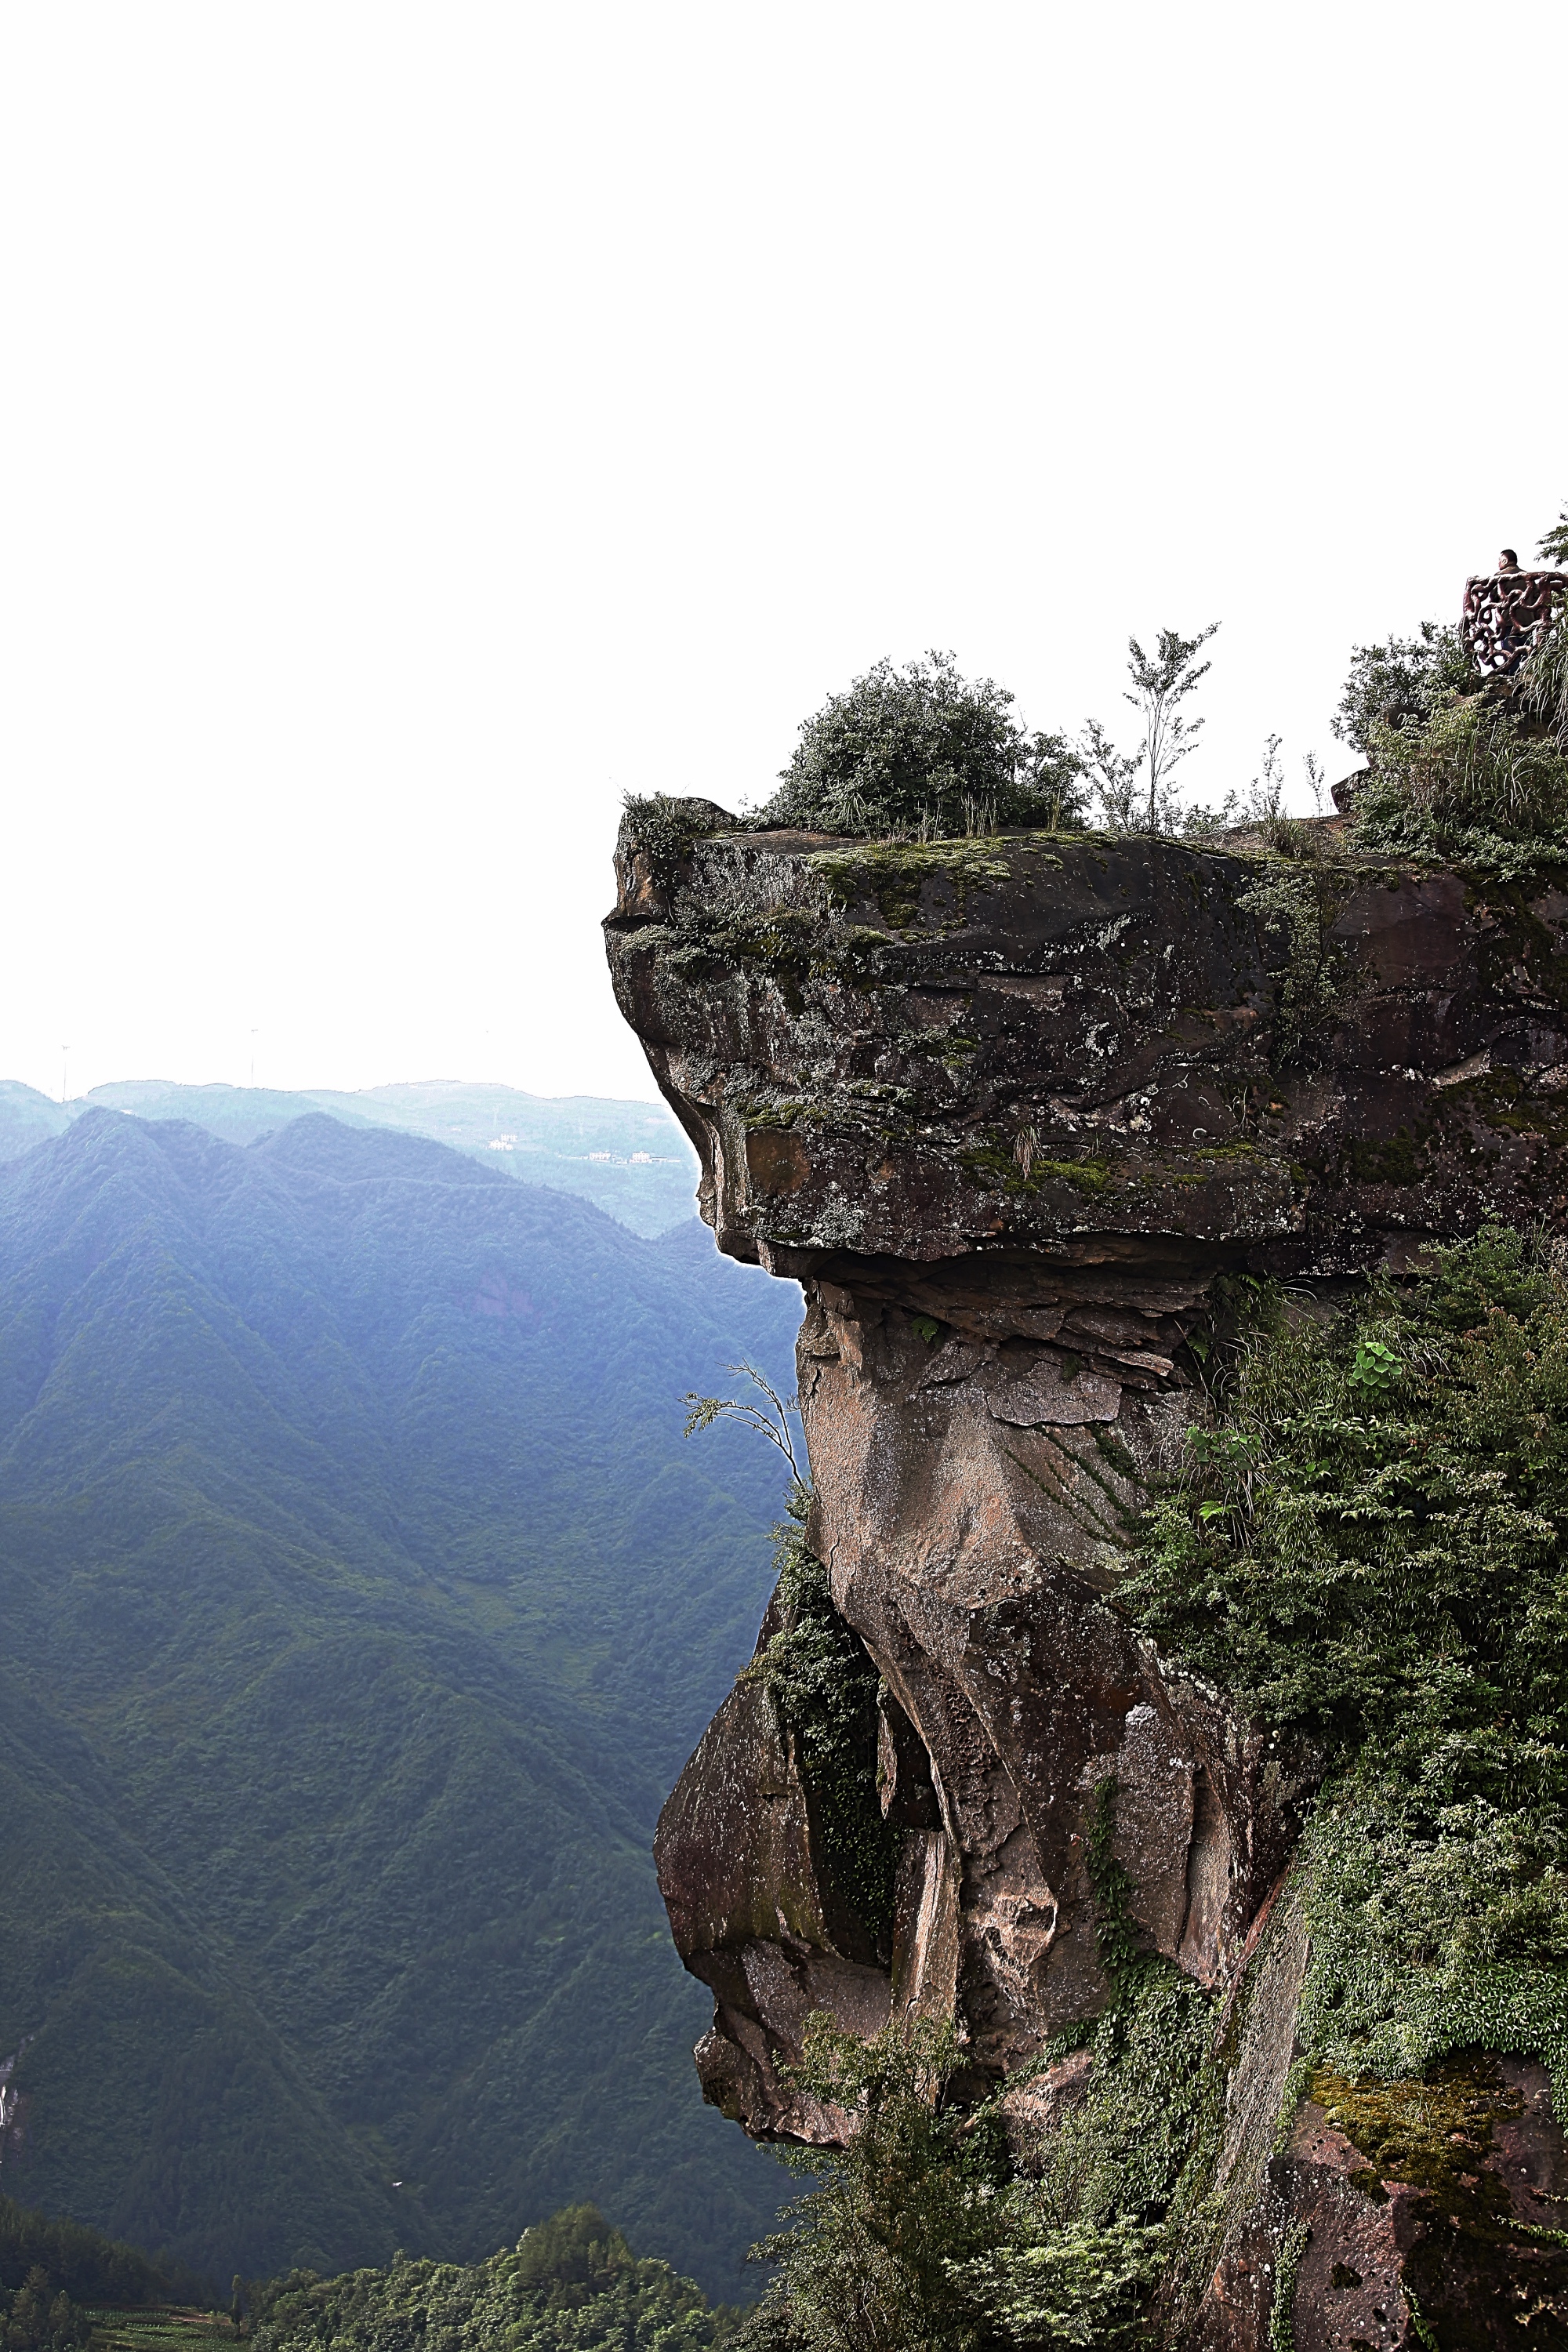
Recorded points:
(1009, 1109)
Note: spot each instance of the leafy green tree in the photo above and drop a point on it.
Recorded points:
(34, 2319)
(1554, 543)
(1400, 685)
(918, 2233)
(772, 1418)
(1131, 791)
(1083, 2285)
(1111, 776)
(925, 749)
(920, 2187)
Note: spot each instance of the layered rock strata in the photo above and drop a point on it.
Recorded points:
(1013, 1112)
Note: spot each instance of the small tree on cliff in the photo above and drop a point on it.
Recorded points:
(1133, 790)
(915, 2236)
(868, 2265)
(1162, 683)
(772, 1419)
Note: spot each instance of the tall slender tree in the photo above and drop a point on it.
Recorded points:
(1162, 682)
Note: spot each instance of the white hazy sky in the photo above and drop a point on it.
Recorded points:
(420, 424)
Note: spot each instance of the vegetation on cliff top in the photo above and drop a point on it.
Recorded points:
(1472, 771)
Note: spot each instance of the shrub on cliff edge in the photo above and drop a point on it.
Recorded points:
(925, 749)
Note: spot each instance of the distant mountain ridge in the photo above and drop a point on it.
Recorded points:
(359, 1600)
(631, 1159)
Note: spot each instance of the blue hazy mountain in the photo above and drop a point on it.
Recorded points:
(28, 1117)
(630, 1158)
(359, 1601)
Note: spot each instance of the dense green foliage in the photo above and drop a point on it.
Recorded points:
(1369, 1541)
(37, 2317)
(1481, 784)
(1400, 683)
(81, 2262)
(358, 1604)
(571, 2284)
(51, 2270)
(919, 2187)
(825, 1687)
(1371, 1545)
(1460, 768)
(924, 749)
(920, 2234)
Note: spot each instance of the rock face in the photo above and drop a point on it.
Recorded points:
(1009, 1111)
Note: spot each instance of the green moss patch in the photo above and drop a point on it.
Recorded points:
(895, 873)
(997, 1169)
(1434, 2135)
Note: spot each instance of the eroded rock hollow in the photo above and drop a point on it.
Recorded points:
(1009, 1111)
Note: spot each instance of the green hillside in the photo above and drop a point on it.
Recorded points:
(358, 1603)
(570, 2285)
(630, 1158)
(63, 2258)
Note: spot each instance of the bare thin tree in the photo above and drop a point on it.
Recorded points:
(769, 1419)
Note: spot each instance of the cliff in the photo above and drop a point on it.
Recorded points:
(1020, 1115)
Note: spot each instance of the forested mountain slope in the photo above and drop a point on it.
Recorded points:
(358, 1602)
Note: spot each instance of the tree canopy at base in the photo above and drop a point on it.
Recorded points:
(571, 2284)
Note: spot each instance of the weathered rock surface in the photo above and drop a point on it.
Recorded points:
(1463, 2255)
(1008, 1111)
